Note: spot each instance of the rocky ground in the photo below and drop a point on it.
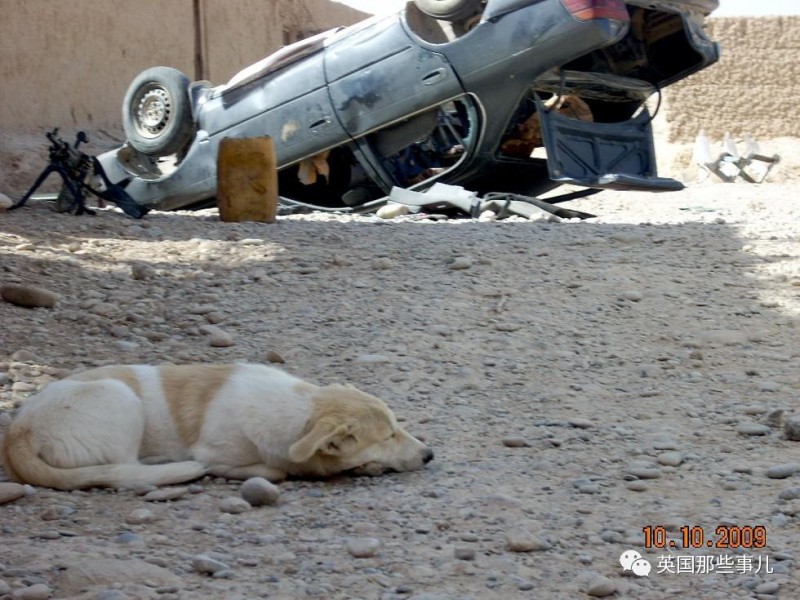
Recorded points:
(579, 382)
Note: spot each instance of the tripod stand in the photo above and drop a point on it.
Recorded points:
(74, 166)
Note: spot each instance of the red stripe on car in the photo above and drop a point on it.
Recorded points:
(588, 10)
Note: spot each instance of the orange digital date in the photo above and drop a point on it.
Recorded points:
(694, 537)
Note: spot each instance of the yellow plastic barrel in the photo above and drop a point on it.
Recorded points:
(247, 180)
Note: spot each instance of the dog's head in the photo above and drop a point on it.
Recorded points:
(353, 431)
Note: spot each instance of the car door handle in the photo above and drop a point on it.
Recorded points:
(434, 76)
(321, 123)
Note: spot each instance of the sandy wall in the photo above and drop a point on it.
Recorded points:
(753, 89)
(68, 64)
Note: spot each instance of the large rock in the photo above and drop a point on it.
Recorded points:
(29, 296)
(10, 491)
(91, 572)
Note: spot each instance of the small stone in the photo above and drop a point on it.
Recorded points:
(234, 506)
(372, 359)
(274, 357)
(782, 471)
(11, 491)
(257, 491)
(140, 516)
(581, 423)
(644, 472)
(670, 459)
(515, 442)
(166, 494)
(664, 442)
(507, 327)
(392, 210)
(103, 309)
(768, 588)
(791, 429)
(53, 513)
(206, 565)
(637, 485)
(523, 585)
(38, 591)
(5, 203)
(522, 540)
(112, 595)
(631, 296)
(363, 547)
(775, 417)
(341, 261)
(127, 537)
(214, 317)
(28, 296)
(126, 346)
(24, 356)
(217, 338)
(790, 493)
(601, 587)
(23, 387)
(141, 271)
(201, 309)
(383, 263)
(461, 263)
(753, 429)
(612, 537)
(464, 553)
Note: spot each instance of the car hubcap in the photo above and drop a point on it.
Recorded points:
(153, 111)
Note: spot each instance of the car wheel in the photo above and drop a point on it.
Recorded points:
(156, 114)
(448, 9)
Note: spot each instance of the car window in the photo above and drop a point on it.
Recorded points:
(425, 145)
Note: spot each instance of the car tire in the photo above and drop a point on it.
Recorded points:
(156, 114)
(449, 10)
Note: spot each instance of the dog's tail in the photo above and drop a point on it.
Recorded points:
(24, 464)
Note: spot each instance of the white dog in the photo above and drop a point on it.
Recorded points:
(126, 426)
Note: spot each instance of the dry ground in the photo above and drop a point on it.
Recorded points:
(579, 381)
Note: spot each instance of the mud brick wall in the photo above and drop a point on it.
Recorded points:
(753, 89)
(68, 63)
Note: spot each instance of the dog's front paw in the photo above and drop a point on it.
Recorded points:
(371, 469)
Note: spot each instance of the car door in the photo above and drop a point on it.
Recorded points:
(378, 75)
(291, 105)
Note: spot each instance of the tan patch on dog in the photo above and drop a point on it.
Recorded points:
(344, 421)
(188, 390)
(121, 373)
(304, 389)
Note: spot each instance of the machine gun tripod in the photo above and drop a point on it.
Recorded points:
(74, 166)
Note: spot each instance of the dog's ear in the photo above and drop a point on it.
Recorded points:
(325, 438)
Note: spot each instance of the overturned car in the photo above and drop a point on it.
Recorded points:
(494, 95)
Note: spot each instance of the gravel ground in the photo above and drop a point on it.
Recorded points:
(579, 382)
